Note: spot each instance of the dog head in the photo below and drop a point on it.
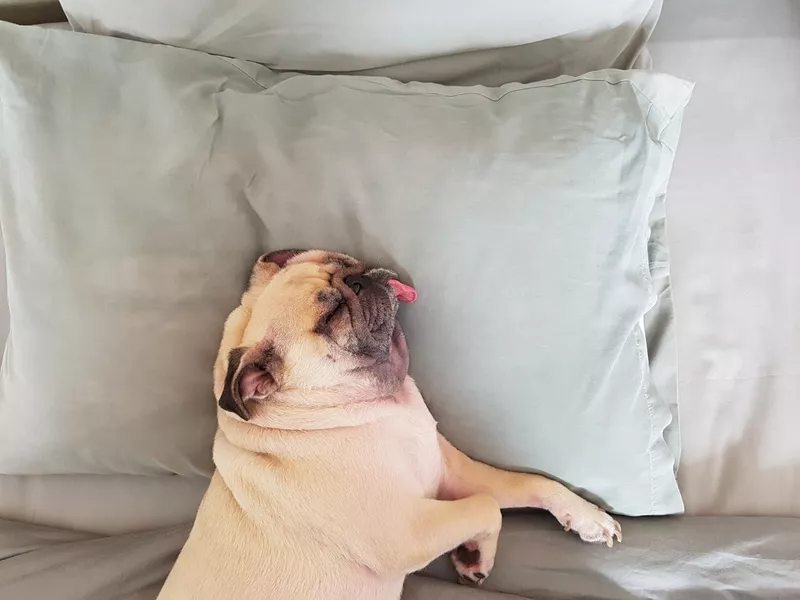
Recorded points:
(312, 321)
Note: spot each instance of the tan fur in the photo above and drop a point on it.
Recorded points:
(332, 491)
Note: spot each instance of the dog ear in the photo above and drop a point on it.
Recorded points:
(280, 257)
(228, 400)
(253, 381)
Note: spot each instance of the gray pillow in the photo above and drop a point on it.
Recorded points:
(139, 182)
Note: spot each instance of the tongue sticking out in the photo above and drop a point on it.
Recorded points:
(404, 293)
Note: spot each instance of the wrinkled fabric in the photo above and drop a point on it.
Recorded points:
(141, 181)
(443, 41)
(673, 558)
(680, 558)
(103, 504)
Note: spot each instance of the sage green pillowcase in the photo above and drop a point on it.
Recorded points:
(140, 181)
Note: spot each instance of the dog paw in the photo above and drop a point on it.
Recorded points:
(470, 563)
(591, 523)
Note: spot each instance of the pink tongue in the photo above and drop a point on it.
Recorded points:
(404, 293)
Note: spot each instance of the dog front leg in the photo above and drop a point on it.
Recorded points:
(463, 477)
(434, 527)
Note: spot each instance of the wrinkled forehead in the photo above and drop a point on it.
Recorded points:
(311, 270)
(321, 257)
(294, 297)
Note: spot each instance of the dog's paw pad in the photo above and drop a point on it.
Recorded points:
(467, 561)
(468, 554)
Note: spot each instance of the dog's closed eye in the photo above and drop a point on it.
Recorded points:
(328, 316)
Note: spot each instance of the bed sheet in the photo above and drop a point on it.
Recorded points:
(733, 212)
(102, 504)
(686, 558)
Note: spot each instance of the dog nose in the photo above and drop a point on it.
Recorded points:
(356, 283)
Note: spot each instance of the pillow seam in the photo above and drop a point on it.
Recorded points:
(662, 185)
(524, 87)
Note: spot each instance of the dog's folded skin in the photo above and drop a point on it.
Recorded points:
(332, 482)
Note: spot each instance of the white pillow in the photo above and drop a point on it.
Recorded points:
(420, 37)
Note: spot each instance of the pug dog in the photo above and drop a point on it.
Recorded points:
(332, 482)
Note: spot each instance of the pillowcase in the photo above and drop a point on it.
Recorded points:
(444, 41)
(140, 182)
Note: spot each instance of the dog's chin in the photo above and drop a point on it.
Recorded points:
(389, 374)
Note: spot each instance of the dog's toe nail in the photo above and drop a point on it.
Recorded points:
(471, 578)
